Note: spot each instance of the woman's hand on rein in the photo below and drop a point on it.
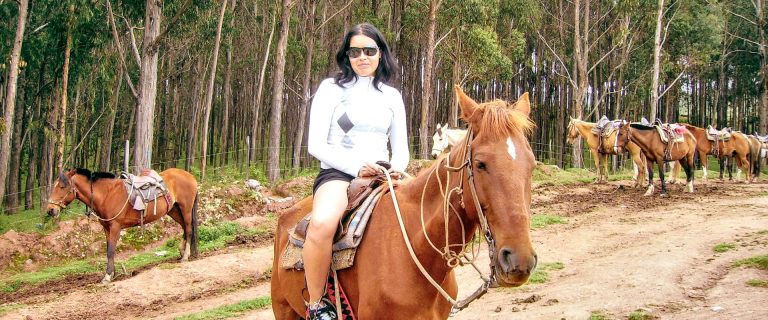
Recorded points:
(369, 169)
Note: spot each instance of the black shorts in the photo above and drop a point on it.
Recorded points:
(326, 175)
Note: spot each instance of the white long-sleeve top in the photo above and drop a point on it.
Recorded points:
(351, 126)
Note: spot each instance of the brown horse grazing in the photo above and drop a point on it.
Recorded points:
(483, 184)
(108, 198)
(601, 149)
(655, 150)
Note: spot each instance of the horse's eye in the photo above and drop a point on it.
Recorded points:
(481, 165)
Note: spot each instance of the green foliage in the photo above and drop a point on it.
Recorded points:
(33, 220)
(759, 262)
(598, 315)
(723, 247)
(230, 311)
(138, 237)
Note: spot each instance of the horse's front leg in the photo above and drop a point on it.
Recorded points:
(605, 161)
(596, 157)
(113, 234)
(649, 166)
(661, 176)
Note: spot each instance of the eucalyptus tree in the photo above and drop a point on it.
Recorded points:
(10, 97)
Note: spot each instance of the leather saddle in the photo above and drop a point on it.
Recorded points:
(363, 193)
(718, 135)
(671, 132)
(144, 189)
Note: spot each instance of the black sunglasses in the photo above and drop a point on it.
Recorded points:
(354, 52)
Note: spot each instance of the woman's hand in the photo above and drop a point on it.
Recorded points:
(370, 169)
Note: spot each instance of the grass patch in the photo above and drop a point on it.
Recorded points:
(598, 315)
(229, 311)
(640, 315)
(34, 220)
(540, 275)
(763, 232)
(8, 307)
(758, 283)
(760, 262)
(541, 220)
(723, 247)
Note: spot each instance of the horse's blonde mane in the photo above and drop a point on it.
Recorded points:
(500, 121)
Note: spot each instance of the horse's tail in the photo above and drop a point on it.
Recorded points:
(193, 240)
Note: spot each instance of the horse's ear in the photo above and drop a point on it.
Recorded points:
(439, 129)
(523, 104)
(468, 106)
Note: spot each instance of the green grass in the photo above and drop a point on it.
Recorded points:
(640, 315)
(540, 275)
(229, 311)
(34, 220)
(758, 283)
(759, 262)
(723, 247)
(540, 221)
(210, 238)
(598, 315)
(8, 307)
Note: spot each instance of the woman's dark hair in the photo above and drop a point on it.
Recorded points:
(387, 65)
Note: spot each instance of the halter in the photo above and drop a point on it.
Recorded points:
(453, 258)
(60, 203)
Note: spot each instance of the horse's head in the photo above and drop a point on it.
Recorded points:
(573, 132)
(622, 136)
(62, 193)
(500, 163)
(439, 142)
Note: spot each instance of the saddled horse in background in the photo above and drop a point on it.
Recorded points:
(445, 138)
(483, 184)
(656, 150)
(737, 147)
(108, 198)
(757, 152)
(601, 147)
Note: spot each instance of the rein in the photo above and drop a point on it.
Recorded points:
(452, 258)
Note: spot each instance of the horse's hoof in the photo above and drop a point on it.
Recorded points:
(107, 279)
(664, 195)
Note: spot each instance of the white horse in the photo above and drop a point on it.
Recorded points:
(445, 138)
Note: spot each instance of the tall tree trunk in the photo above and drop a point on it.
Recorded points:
(581, 57)
(105, 154)
(256, 106)
(62, 121)
(225, 126)
(14, 183)
(307, 96)
(145, 110)
(656, 62)
(763, 110)
(426, 93)
(10, 97)
(273, 159)
(209, 96)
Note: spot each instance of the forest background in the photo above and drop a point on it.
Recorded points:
(202, 84)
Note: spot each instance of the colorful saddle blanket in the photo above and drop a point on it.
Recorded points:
(718, 135)
(671, 132)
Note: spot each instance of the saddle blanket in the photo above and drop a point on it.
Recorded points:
(145, 188)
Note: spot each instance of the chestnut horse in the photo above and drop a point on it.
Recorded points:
(737, 147)
(601, 149)
(108, 198)
(655, 150)
(483, 185)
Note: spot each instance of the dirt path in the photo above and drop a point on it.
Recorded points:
(620, 251)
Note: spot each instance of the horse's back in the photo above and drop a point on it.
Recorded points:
(180, 183)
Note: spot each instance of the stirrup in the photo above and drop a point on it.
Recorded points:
(322, 310)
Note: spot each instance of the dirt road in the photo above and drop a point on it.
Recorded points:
(620, 252)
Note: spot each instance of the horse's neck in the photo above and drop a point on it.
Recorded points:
(584, 128)
(425, 194)
(94, 194)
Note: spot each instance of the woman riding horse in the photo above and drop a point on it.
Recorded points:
(485, 183)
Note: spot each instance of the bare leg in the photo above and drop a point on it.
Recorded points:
(327, 208)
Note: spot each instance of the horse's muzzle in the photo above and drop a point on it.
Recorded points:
(53, 211)
(514, 268)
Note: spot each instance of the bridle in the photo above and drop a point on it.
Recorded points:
(60, 203)
(451, 257)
